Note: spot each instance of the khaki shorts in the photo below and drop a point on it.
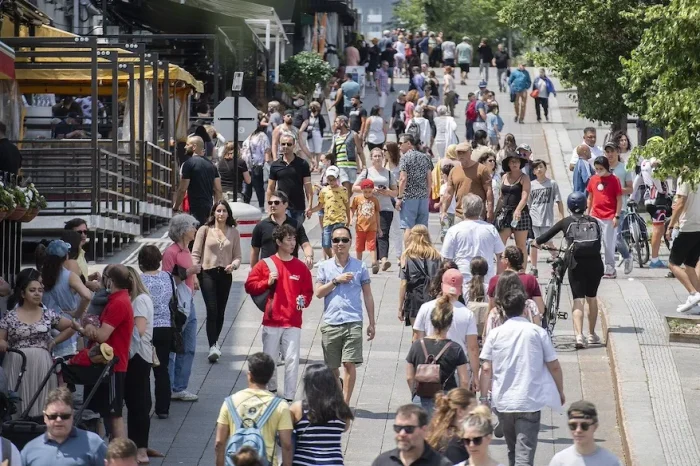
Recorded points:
(341, 343)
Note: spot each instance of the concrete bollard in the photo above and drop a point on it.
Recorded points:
(247, 217)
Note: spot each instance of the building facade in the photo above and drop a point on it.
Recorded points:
(374, 16)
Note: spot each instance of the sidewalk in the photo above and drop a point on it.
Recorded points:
(656, 382)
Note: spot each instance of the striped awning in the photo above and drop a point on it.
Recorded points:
(7, 62)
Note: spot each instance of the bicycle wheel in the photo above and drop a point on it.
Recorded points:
(550, 307)
(636, 240)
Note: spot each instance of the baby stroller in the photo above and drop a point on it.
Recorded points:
(20, 431)
(9, 398)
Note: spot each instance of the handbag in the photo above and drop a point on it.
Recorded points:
(535, 93)
(261, 300)
(428, 374)
(177, 320)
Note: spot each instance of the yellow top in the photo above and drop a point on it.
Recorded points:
(335, 205)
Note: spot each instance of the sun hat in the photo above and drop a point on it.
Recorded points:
(504, 163)
(452, 282)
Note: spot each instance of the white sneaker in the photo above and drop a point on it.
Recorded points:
(593, 339)
(214, 353)
(629, 265)
(692, 300)
(184, 396)
(580, 342)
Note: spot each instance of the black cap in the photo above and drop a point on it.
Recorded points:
(289, 112)
(610, 144)
(582, 410)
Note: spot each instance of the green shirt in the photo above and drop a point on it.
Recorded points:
(464, 53)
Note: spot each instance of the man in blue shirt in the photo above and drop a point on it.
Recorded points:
(582, 170)
(349, 89)
(520, 83)
(343, 282)
(63, 444)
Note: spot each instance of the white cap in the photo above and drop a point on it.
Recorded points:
(332, 171)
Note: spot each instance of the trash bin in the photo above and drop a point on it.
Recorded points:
(247, 217)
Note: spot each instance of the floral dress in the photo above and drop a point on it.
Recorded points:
(33, 340)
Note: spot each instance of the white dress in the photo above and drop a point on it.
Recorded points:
(445, 134)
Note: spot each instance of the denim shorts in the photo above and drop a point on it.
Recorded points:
(414, 212)
(327, 232)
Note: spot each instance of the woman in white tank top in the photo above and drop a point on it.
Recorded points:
(375, 129)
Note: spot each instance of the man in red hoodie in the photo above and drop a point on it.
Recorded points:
(292, 293)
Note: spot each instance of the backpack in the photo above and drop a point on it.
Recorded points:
(418, 273)
(472, 114)
(414, 131)
(261, 299)
(585, 236)
(428, 373)
(249, 436)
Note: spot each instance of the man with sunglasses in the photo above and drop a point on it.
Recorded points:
(63, 444)
(343, 281)
(291, 175)
(583, 423)
(262, 243)
(411, 428)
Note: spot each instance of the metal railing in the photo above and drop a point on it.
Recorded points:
(159, 176)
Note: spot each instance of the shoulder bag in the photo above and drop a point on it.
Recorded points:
(261, 301)
(178, 318)
(428, 373)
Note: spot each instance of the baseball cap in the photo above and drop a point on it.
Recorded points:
(610, 144)
(367, 184)
(482, 84)
(465, 38)
(582, 410)
(452, 282)
(332, 171)
(289, 112)
(524, 147)
(463, 147)
(58, 248)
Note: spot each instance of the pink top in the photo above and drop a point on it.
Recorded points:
(174, 255)
(408, 112)
(214, 249)
(352, 56)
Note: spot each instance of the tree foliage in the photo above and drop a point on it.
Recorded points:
(304, 70)
(456, 18)
(585, 40)
(661, 79)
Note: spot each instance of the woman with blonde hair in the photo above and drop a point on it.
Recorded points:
(450, 158)
(137, 387)
(419, 263)
(439, 349)
(451, 409)
(477, 432)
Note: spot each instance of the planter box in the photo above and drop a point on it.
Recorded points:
(679, 337)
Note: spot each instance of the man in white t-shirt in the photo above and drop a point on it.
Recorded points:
(686, 247)
(448, 52)
(519, 358)
(583, 423)
(463, 329)
(471, 238)
(589, 138)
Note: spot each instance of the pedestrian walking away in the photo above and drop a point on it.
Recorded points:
(217, 250)
(344, 283)
(290, 288)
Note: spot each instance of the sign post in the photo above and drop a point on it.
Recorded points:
(238, 111)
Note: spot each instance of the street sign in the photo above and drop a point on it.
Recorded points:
(237, 81)
(224, 118)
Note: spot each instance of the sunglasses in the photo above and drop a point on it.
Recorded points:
(342, 240)
(274, 202)
(61, 416)
(583, 425)
(476, 441)
(408, 429)
(286, 144)
(83, 232)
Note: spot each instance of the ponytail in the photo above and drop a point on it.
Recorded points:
(441, 317)
(479, 268)
(480, 419)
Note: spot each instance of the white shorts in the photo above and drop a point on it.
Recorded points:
(348, 175)
(382, 100)
(315, 142)
(539, 231)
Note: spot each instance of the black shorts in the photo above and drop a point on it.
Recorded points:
(450, 62)
(686, 249)
(585, 277)
(371, 146)
(464, 67)
(106, 403)
(659, 213)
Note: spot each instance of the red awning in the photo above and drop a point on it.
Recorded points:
(7, 62)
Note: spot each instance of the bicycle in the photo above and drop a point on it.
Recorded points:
(553, 292)
(635, 233)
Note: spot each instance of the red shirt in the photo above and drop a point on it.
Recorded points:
(293, 279)
(532, 287)
(119, 314)
(174, 255)
(604, 204)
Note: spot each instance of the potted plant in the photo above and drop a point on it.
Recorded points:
(37, 202)
(7, 202)
(22, 200)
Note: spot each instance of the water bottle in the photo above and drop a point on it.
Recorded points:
(301, 302)
(513, 223)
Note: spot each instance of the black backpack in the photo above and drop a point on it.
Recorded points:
(418, 273)
(585, 236)
(414, 131)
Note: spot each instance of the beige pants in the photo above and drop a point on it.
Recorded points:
(520, 104)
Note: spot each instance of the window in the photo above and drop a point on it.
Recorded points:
(375, 30)
(375, 11)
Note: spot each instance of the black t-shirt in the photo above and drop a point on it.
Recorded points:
(290, 180)
(355, 117)
(10, 157)
(201, 173)
(397, 108)
(262, 236)
(502, 59)
(453, 358)
(580, 253)
(388, 56)
(485, 53)
(226, 171)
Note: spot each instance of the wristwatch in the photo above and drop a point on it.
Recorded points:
(335, 282)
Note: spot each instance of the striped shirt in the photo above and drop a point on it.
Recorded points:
(341, 151)
(318, 444)
(382, 78)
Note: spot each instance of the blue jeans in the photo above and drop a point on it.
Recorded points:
(326, 240)
(298, 215)
(414, 212)
(180, 366)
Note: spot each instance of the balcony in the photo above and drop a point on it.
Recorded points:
(374, 19)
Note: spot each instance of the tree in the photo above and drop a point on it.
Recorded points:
(304, 70)
(661, 78)
(585, 40)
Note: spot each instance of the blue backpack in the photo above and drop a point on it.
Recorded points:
(250, 436)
